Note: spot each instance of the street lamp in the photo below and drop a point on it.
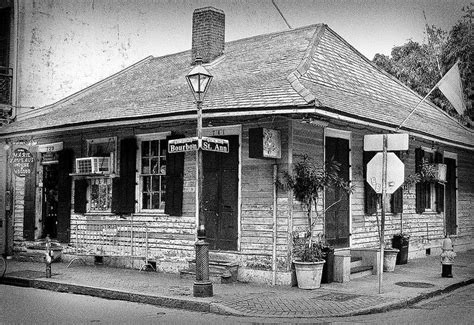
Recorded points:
(199, 80)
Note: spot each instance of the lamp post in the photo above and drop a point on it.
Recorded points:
(199, 80)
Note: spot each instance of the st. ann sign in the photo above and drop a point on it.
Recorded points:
(192, 144)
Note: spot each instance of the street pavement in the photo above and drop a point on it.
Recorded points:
(419, 279)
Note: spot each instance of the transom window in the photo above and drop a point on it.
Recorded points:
(152, 182)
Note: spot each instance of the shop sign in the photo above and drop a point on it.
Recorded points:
(264, 143)
(22, 162)
(50, 147)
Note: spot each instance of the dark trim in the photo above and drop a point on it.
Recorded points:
(191, 114)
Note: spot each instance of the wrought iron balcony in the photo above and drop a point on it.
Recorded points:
(6, 77)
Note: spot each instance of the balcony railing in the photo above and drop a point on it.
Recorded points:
(6, 77)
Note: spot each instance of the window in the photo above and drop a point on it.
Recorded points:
(429, 195)
(100, 187)
(152, 182)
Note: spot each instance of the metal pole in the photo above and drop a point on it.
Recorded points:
(275, 233)
(202, 286)
(384, 199)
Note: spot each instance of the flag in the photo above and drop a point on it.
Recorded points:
(451, 87)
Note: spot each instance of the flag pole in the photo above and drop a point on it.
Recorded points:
(419, 103)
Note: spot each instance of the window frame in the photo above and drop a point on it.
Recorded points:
(106, 177)
(139, 178)
(430, 188)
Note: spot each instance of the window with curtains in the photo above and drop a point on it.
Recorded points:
(152, 176)
(100, 187)
(429, 195)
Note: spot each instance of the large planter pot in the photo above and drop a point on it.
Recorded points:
(402, 244)
(389, 259)
(308, 274)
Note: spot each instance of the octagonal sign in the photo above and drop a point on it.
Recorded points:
(395, 172)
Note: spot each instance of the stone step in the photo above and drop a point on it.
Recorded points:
(361, 271)
(356, 262)
(219, 271)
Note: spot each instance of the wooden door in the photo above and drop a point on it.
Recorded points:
(50, 200)
(337, 217)
(450, 195)
(220, 196)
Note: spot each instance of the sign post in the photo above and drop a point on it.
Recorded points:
(382, 179)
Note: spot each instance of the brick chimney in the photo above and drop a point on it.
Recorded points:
(208, 34)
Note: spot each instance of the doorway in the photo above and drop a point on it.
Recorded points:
(337, 217)
(450, 196)
(50, 200)
(220, 196)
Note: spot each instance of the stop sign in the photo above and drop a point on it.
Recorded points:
(395, 172)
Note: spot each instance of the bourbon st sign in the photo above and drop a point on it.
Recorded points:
(192, 144)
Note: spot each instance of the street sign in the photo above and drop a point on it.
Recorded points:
(395, 142)
(395, 172)
(215, 144)
(183, 145)
(192, 144)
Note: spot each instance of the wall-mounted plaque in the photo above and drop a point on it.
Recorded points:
(22, 162)
(264, 143)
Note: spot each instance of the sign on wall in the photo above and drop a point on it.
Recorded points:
(22, 162)
(264, 143)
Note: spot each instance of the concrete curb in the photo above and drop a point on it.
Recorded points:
(205, 306)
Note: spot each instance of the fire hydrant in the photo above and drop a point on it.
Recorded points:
(48, 257)
(447, 258)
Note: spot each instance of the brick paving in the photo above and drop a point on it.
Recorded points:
(334, 299)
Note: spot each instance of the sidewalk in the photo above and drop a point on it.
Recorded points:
(422, 279)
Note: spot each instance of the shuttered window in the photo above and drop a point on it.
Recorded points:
(174, 181)
(429, 196)
(123, 187)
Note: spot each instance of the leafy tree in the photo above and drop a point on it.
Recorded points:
(420, 66)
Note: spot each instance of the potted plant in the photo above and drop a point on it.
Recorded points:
(401, 241)
(308, 181)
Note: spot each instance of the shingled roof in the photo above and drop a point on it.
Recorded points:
(306, 68)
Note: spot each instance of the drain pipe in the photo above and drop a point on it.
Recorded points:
(274, 265)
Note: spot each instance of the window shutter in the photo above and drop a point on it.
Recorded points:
(123, 188)
(396, 199)
(421, 186)
(439, 188)
(66, 161)
(29, 216)
(174, 181)
(370, 195)
(80, 196)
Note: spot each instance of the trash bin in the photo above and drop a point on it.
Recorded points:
(401, 242)
(328, 273)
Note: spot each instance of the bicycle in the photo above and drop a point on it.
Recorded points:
(3, 266)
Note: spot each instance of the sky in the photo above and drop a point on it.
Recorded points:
(71, 44)
(371, 26)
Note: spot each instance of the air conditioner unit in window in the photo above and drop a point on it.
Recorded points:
(93, 165)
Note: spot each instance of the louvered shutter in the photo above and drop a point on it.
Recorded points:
(123, 188)
(369, 193)
(396, 199)
(66, 160)
(420, 188)
(29, 216)
(174, 181)
(439, 188)
(80, 196)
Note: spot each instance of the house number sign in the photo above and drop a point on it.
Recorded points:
(22, 162)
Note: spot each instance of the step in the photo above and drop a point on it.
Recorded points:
(356, 262)
(219, 271)
(361, 271)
